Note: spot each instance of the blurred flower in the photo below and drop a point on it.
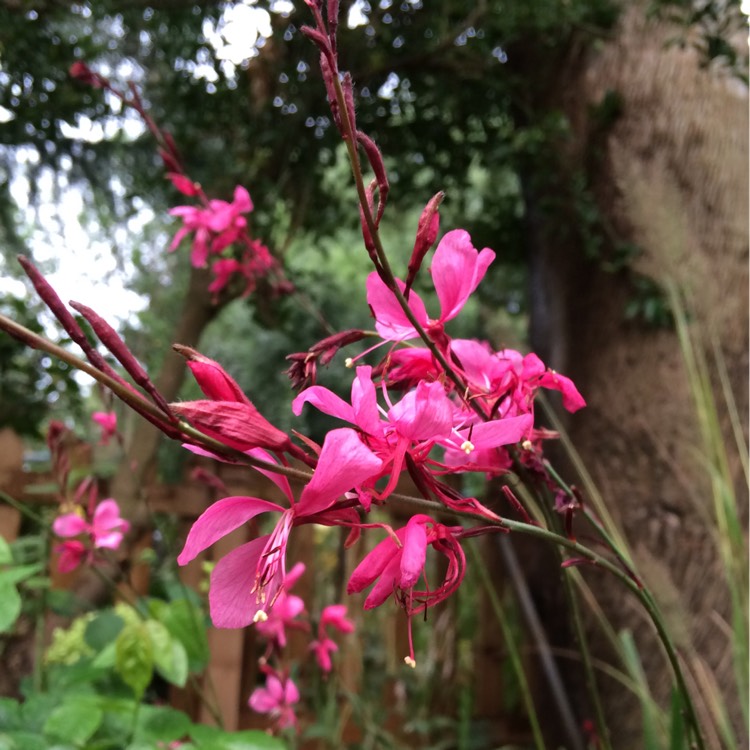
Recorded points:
(106, 530)
(107, 421)
(276, 699)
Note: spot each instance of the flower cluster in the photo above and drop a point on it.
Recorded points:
(403, 417)
(82, 538)
(216, 226)
(280, 694)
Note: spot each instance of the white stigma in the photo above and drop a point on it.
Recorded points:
(467, 446)
(260, 616)
(410, 662)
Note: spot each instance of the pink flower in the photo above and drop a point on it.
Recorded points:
(284, 612)
(457, 269)
(213, 228)
(106, 530)
(246, 582)
(323, 648)
(397, 564)
(276, 699)
(333, 616)
(70, 555)
(511, 375)
(422, 417)
(107, 421)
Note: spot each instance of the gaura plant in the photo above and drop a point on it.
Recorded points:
(422, 404)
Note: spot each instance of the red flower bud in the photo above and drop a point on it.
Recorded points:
(239, 426)
(212, 378)
(427, 231)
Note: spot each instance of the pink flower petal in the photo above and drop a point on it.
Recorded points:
(324, 400)
(217, 521)
(424, 414)
(390, 320)
(70, 524)
(344, 462)
(414, 552)
(457, 269)
(233, 602)
(372, 565)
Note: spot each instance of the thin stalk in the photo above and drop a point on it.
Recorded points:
(586, 661)
(512, 651)
(40, 621)
(351, 146)
(579, 631)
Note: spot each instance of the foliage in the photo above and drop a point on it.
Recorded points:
(31, 383)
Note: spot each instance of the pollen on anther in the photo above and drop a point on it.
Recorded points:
(527, 445)
(410, 662)
(260, 616)
(467, 446)
(349, 362)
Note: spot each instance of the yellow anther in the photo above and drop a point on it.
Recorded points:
(349, 362)
(467, 446)
(410, 662)
(260, 616)
(527, 445)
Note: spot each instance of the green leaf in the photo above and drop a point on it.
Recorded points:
(103, 630)
(106, 658)
(18, 573)
(160, 723)
(23, 741)
(73, 722)
(10, 714)
(6, 555)
(211, 738)
(186, 623)
(36, 709)
(170, 656)
(134, 658)
(11, 606)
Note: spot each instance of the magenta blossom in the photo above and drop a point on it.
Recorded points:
(214, 227)
(457, 268)
(422, 417)
(510, 375)
(106, 530)
(397, 564)
(107, 421)
(284, 612)
(246, 582)
(276, 699)
(333, 616)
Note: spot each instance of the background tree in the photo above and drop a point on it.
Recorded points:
(556, 128)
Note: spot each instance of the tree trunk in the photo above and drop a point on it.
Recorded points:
(670, 175)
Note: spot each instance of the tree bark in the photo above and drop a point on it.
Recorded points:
(670, 176)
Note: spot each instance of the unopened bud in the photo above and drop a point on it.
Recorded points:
(427, 231)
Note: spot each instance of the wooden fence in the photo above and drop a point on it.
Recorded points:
(232, 672)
